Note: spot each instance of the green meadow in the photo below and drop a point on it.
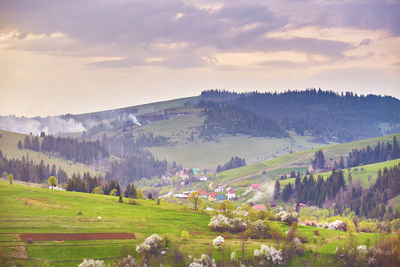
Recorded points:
(35, 210)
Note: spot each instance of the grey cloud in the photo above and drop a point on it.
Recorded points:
(131, 28)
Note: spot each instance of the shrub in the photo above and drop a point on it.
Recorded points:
(395, 225)
(185, 235)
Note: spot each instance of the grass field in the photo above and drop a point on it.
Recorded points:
(293, 160)
(8, 146)
(35, 210)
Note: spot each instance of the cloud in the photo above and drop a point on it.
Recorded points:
(133, 30)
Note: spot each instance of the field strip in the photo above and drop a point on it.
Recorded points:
(75, 236)
(77, 260)
(70, 245)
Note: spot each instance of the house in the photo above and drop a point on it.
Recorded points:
(255, 187)
(211, 196)
(203, 194)
(181, 196)
(220, 197)
(231, 194)
(260, 207)
(203, 178)
(219, 188)
(56, 188)
(272, 204)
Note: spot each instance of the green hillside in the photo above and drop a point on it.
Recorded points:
(266, 171)
(8, 146)
(35, 210)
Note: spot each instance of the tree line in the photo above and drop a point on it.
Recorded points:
(369, 155)
(225, 118)
(372, 202)
(28, 171)
(326, 115)
(86, 152)
(310, 190)
(235, 162)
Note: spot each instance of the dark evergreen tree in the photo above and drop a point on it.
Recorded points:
(277, 190)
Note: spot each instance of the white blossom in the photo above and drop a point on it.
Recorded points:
(218, 241)
(362, 249)
(92, 263)
(203, 261)
(270, 254)
(233, 256)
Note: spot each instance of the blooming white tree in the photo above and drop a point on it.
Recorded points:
(269, 254)
(129, 261)
(203, 261)
(92, 263)
(151, 246)
(219, 242)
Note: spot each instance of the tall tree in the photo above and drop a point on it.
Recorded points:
(277, 190)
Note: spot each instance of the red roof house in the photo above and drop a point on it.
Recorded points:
(260, 207)
(255, 187)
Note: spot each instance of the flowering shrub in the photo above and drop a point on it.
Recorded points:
(336, 225)
(218, 242)
(151, 246)
(287, 217)
(203, 261)
(91, 263)
(221, 223)
(129, 261)
(268, 254)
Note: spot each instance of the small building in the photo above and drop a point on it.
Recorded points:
(219, 188)
(255, 187)
(231, 194)
(57, 188)
(220, 197)
(212, 196)
(183, 196)
(260, 207)
(203, 178)
(195, 171)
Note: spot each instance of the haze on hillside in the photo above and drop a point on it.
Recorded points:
(59, 57)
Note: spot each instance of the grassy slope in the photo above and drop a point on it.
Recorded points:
(366, 174)
(266, 171)
(26, 210)
(8, 146)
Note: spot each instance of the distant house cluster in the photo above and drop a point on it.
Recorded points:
(56, 188)
(219, 194)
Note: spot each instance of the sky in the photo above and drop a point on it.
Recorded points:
(74, 56)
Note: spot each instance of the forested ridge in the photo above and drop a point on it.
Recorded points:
(86, 152)
(326, 115)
